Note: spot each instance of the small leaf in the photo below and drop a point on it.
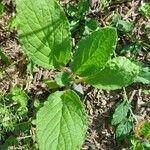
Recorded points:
(63, 79)
(146, 92)
(143, 76)
(43, 32)
(19, 96)
(145, 9)
(120, 113)
(131, 47)
(30, 66)
(11, 23)
(83, 7)
(51, 84)
(90, 26)
(61, 122)
(104, 4)
(145, 130)
(4, 57)
(116, 17)
(1, 8)
(60, 80)
(123, 129)
(119, 72)
(124, 26)
(93, 52)
(10, 141)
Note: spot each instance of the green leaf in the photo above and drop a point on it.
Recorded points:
(1, 8)
(63, 79)
(60, 80)
(116, 17)
(143, 76)
(72, 11)
(30, 66)
(120, 113)
(119, 72)
(93, 52)
(76, 12)
(19, 96)
(136, 143)
(145, 130)
(123, 129)
(4, 57)
(61, 122)
(51, 84)
(44, 32)
(11, 23)
(11, 141)
(90, 26)
(131, 47)
(83, 7)
(104, 4)
(145, 9)
(146, 92)
(124, 26)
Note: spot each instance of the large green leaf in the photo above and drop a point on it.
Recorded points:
(43, 32)
(94, 51)
(119, 72)
(61, 122)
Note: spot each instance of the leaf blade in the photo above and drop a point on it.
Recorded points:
(120, 113)
(123, 129)
(119, 72)
(4, 57)
(143, 76)
(58, 128)
(43, 32)
(94, 51)
(1, 9)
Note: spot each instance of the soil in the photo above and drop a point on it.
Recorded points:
(100, 104)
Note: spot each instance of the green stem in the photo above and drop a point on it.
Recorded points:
(126, 98)
(77, 81)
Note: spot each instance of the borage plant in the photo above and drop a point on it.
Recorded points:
(45, 37)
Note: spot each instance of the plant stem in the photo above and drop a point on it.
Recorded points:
(77, 81)
(14, 63)
(126, 98)
(24, 137)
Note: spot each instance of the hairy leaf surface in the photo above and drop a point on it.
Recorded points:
(94, 51)
(43, 32)
(119, 72)
(61, 122)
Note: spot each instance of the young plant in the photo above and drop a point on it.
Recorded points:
(121, 121)
(45, 36)
(13, 109)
